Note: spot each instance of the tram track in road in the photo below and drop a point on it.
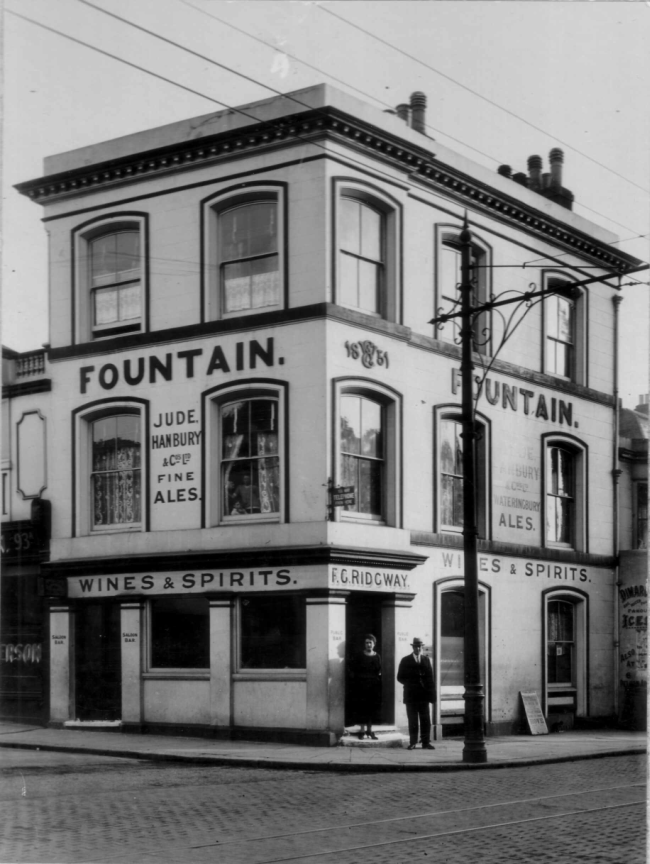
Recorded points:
(452, 823)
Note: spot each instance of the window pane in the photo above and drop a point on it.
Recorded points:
(103, 253)
(265, 282)
(180, 633)
(371, 427)
(551, 314)
(370, 233)
(105, 303)
(350, 226)
(237, 286)
(128, 441)
(452, 639)
(104, 431)
(351, 424)
(565, 319)
(248, 230)
(235, 428)
(369, 491)
(272, 633)
(262, 228)
(349, 287)
(129, 303)
(368, 275)
(349, 477)
(115, 258)
(127, 256)
(449, 271)
(559, 519)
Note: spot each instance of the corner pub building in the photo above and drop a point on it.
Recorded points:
(255, 441)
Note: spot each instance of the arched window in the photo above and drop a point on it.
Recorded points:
(362, 453)
(566, 662)
(110, 276)
(564, 330)
(110, 467)
(246, 464)
(367, 235)
(560, 495)
(366, 456)
(244, 250)
(362, 270)
(449, 483)
(249, 263)
(449, 278)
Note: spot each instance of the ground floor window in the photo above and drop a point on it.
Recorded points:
(560, 642)
(180, 633)
(272, 633)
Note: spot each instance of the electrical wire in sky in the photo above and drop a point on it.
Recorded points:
(252, 80)
(479, 95)
(191, 90)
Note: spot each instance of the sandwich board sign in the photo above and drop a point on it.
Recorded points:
(534, 715)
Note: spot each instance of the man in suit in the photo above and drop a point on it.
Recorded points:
(416, 674)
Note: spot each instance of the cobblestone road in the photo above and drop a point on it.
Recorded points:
(75, 808)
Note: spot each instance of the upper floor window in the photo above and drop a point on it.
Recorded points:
(367, 451)
(250, 461)
(115, 280)
(362, 453)
(565, 479)
(109, 477)
(564, 330)
(244, 241)
(560, 335)
(362, 271)
(449, 280)
(451, 475)
(249, 263)
(115, 474)
(246, 462)
(367, 236)
(110, 283)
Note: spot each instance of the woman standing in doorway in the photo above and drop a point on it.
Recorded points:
(365, 686)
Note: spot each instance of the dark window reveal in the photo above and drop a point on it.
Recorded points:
(560, 497)
(116, 280)
(115, 481)
(180, 633)
(561, 642)
(273, 633)
(362, 453)
(248, 254)
(250, 463)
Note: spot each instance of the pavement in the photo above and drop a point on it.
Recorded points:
(502, 752)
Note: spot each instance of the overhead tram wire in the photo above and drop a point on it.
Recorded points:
(252, 80)
(295, 135)
(236, 110)
(334, 78)
(479, 95)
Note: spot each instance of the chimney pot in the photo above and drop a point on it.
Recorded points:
(556, 158)
(418, 107)
(504, 170)
(404, 112)
(535, 172)
(520, 178)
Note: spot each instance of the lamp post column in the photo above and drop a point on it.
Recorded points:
(474, 749)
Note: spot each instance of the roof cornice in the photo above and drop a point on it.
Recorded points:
(308, 127)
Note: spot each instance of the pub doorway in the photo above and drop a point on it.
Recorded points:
(98, 668)
(363, 615)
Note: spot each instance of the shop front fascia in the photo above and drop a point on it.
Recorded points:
(248, 643)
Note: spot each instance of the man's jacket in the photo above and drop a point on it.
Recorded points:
(417, 679)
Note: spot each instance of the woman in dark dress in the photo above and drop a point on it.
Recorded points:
(365, 675)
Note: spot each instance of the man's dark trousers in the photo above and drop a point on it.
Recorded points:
(415, 711)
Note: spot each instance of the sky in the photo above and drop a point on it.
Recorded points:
(504, 80)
